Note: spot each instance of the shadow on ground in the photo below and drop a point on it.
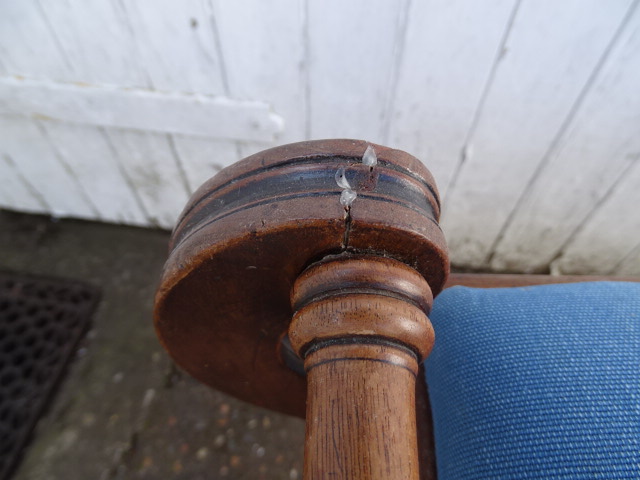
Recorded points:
(124, 411)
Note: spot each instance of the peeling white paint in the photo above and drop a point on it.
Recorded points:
(105, 116)
(140, 109)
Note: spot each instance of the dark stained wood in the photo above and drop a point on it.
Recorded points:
(361, 274)
(359, 310)
(358, 296)
(361, 326)
(424, 420)
(360, 415)
(247, 234)
(501, 280)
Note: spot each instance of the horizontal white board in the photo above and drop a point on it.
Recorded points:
(139, 109)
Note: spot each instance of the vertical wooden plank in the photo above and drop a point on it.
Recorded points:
(594, 154)
(109, 42)
(630, 265)
(86, 42)
(177, 43)
(27, 43)
(87, 153)
(35, 159)
(200, 158)
(149, 163)
(548, 61)
(611, 234)
(351, 49)
(268, 63)
(203, 158)
(450, 48)
(39, 179)
(102, 40)
(16, 188)
(97, 41)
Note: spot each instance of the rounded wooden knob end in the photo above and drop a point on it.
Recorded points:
(361, 299)
(246, 235)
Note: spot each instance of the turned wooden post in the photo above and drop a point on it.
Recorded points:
(300, 279)
(361, 327)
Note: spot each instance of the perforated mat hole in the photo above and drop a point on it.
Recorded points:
(18, 360)
(41, 376)
(17, 390)
(48, 333)
(41, 321)
(27, 370)
(9, 346)
(38, 353)
(7, 378)
(60, 339)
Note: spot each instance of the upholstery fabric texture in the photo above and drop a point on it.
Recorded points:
(537, 382)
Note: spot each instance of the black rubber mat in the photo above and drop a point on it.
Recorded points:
(41, 323)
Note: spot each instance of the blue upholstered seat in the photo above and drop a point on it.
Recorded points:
(537, 382)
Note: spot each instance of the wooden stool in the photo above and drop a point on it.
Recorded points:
(320, 257)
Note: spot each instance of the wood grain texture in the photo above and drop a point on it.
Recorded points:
(361, 414)
(190, 61)
(28, 44)
(449, 51)
(338, 85)
(525, 109)
(96, 41)
(148, 161)
(362, 274)
(38, 27)
(19, 186)
(595, 154)
(175, 45)
(248, 233)
(43, 168)
(610, 234)
(360, 324)
(499, 98)
(138, 109)
(90, 157)
(263, 45)
(202, 158)
(630, 264)
(357, 313)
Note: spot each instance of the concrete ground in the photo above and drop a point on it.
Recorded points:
(124, 411)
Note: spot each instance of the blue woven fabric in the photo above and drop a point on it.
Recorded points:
(537, 382)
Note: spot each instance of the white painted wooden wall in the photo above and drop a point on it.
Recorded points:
(526, 111)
